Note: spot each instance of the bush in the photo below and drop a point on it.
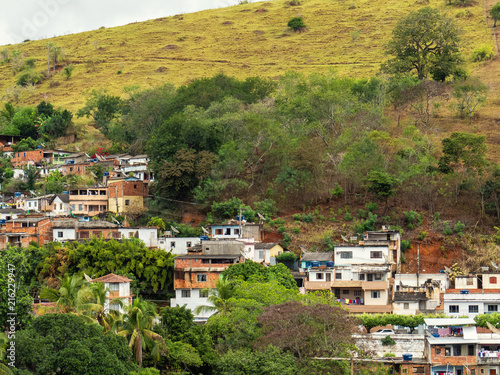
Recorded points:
(388, 340)
(405, 245)
(297, 217)
(389, 355)
(459, 227)
(281, 230)
(446, 229)
(422, 235)
(286, 257)
(296, 230)
(29, 77)
(337, 191)
(371, 206)
(485, 52)
(287, 239)
(296, 24)
(267, 207)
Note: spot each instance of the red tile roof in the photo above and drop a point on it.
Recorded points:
(112, 278)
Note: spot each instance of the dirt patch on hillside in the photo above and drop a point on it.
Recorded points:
(433, 257)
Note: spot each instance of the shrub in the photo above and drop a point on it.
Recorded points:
(296, 230)
(281, 230)
(286, 257)
(337, 191)
(388, 340)
(361, 213)
(29, 77)
(286, 240)
(308, 218)
(422, 235)
(446, 229)
(267, 207)
(485, 52)
(296, 24)
(297, 217)
(68, 70)
(371, 206)
(389, 355)
(459, 227)
(405, 245)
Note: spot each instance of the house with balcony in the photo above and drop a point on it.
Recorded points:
(195, 273)
(318, 267)
(88, 201)
(118, 291)
(24, 230)
(455, 347)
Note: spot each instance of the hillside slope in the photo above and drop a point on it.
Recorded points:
(241, 41)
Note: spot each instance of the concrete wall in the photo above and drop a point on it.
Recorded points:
(360, 255)
(68, 234)
(177, 245)
(399, 308)
(405, 344)
(192, 302)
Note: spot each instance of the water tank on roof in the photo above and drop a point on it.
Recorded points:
(240, 217)
(314, 264)
(204, 238)
(464, 291)
(407, 357)
(71, 162)
(106, 174)
(65, 192)
(17, 194)
(2, 221)
(330, 264)
(38, 147)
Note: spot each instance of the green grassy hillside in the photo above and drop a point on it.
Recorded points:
(241, 41)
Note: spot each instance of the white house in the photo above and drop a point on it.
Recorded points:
(234, 230)
(178, 245)
(148, 235)
(118, 290)
(10, 213)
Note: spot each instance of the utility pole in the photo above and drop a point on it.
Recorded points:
(418, 264)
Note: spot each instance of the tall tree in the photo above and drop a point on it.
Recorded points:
(424, 41)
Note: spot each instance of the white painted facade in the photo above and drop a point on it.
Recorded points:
(405, 308)
(458, 304)
(147, 235)
(63, 234)
(177, 245)
(192, 299)
(410, 280)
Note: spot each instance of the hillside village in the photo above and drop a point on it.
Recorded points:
(203, 194)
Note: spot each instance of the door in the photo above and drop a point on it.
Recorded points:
(493, 371)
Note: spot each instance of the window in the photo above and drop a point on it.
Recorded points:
(375, 293)
(114, 287)
(218, 231)
(362, 276)
(201, 277)
(60, 234)
(338, 276)
(172, 243)
(492, 308)
(437, 351)
(369, 277)
(473, 308)
(378, 276)
(135, 186)
(185, 293)
(127, 202)
(84, 234)
(29, 204)
(228, 231)
(470, 350)
(204, 293)
(406, 306)
(358, 293)
(470, 281)
(419, 370)
(72, 207)
(375, 254)
(102, 192)
(345, 291)
(453, 309)
(188, 244)
(319, 276)
(24, 225)
(493, 280)
(237, 231)
(261, 254)
(457, 350)
(80, 207)
(346, 255)
(447, 352)
(71, 169)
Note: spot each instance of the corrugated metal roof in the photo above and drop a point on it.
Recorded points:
(444, 322)
(317, 256)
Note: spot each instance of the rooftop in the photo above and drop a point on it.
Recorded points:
(265, 245)
(444, 322)
(317, 256)
(112, 278)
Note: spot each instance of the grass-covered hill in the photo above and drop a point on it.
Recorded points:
(242, 41)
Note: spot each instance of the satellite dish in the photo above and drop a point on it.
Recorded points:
(87, 277)
(493, 328)
(174, 229)
(345, 239)
(447, 270)
(495, 266)
(204, 230)
(261, 217)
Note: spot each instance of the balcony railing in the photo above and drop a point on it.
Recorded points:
(488, 358)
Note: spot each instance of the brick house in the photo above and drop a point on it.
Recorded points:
(23, 230)
(127, 195)
(23, 158)
(119, 290)
(193, 274)
(88, 201)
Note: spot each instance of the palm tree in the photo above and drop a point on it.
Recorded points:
(137, 324)
(93, 306)
(71, 295)
(218, 296)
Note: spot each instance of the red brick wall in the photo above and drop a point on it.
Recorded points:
(19, 159)
(452, 360)
(119, 189)
(188, 279)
